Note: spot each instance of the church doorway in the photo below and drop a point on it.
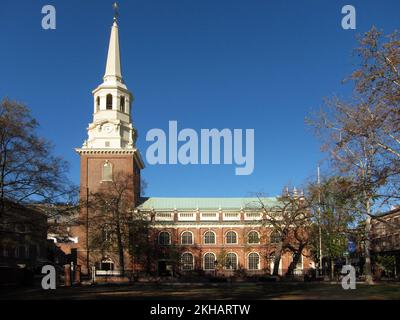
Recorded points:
(164, 268)
(107, 264)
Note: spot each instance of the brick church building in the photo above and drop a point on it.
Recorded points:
(206, 233)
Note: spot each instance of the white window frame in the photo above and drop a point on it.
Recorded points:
(169, 235)
(192, 242)
(248, 261)
(193, 262)
(204, 261)
(215, 237)
(106, 163)
(236, 237)
(258, 235)
(236, 258)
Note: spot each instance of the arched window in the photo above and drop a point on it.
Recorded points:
(275, 237)
(187, 238)
(98, 104)
(254, 261)
(209, 237)
(122, 104)
(231, 237)
(109, 104)
(209, 261)
(107, 171)
(164, 238)
(187, 261)
(231, 261)
(253, 237)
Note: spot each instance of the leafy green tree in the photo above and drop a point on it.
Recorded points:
(333, 209)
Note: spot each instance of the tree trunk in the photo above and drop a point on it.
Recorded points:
(367, 253)
(277, 259)
(2, 182)
(295, 261)
(332, 269)
(120, 249)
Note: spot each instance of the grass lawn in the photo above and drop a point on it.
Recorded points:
(246, 291)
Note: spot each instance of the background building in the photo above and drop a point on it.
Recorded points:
(385, 236)
(23, 242)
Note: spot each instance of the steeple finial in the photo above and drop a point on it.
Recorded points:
(113, 67)
(116, 13)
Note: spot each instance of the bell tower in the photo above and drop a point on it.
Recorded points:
(112, 127)
(111, 143)
(110, 148)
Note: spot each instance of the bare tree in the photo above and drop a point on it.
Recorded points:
(289, 220)
(115, 224)
(377, 85)
(362, 136)
(28, 170)
(112, 211)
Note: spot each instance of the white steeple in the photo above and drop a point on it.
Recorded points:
(113, 66)
(112, 127)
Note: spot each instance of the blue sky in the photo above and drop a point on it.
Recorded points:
(207, 64)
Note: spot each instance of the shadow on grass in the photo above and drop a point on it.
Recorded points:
(243, 291)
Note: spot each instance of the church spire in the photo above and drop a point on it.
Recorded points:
(113, 66)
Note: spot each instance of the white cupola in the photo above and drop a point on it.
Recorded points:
(112, 126)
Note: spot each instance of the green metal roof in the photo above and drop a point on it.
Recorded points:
(204, 203)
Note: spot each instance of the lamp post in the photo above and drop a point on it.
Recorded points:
(319, 223)
(87, 231)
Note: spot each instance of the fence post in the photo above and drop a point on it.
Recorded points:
(77, 274)
(67, 275)
(93, 275)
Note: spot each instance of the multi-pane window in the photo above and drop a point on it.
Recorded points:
(107, 171)
(164, 238)
(254, 261)
(209, 261)
(253, 237)
(275, 237)
(231, 237)
(209, 237)
(231, 261)
(187, 261)
(187, 238)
